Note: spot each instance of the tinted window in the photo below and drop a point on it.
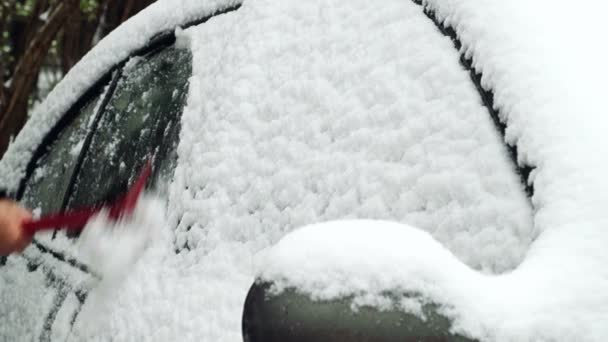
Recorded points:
(141, 119)
(46, 187)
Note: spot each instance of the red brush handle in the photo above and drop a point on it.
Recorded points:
(127, 203)
(77, 219)
(70, 220)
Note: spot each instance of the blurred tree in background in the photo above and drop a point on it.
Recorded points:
(40, 41)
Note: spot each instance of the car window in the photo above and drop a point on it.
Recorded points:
(141, 119)
(47, 185)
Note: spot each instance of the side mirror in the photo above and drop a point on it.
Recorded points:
(345, 280)
(295, 317)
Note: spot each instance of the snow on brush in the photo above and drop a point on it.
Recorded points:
(111, 247)
(146, 291)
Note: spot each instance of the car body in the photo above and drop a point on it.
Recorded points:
(263, 117)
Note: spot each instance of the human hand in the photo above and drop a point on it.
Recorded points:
(13, 237)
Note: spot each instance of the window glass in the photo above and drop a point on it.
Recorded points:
(45, 189)
(141, 119)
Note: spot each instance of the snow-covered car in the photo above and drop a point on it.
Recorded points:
(378, 170)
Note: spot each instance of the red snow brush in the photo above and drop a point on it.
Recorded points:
(76, 219)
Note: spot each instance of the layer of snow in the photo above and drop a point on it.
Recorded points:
(159, 17)
(29, 295)
(112, 248)
(304, 116)
(546, 68)
(554, 106)
(286, 128)
(25, 301)
(368, 258)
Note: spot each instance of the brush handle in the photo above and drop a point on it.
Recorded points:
(77, 219)
(73, 220)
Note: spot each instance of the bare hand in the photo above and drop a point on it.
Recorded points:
(12, 235)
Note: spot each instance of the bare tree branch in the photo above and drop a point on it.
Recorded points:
(14, 114)
(33, 27)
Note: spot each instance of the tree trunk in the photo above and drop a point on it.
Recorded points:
(77, 36)
(117, 11)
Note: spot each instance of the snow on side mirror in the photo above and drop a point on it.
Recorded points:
(353, 281)
(295, 317)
